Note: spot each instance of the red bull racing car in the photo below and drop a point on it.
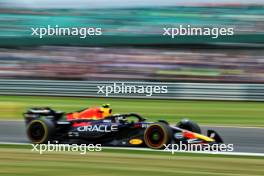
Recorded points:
(97, 125)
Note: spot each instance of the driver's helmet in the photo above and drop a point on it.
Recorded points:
(106, 110)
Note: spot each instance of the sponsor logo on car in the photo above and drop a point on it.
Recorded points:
(135, 141)
(98, 128)
(178, 135)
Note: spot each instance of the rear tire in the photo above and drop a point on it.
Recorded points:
(40, 131)
(189, 125)
(157, 135)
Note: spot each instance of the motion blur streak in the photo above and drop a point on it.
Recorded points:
(122, 24)
(118, 3)
(79, 63)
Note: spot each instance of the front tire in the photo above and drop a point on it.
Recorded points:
(40, 131)
(157, 135)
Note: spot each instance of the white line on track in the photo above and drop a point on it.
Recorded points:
(213, 153)
(152, 150)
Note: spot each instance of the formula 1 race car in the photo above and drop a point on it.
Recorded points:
(98, 126)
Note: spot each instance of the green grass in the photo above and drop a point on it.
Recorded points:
(22, 161)
(204, 112)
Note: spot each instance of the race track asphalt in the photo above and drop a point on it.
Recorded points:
(244, 139)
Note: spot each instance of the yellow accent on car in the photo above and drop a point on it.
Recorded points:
(135, 141)
(106, 111)
(203, 137)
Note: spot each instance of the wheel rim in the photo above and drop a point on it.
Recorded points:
(155, 136)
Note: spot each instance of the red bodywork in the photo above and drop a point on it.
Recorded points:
(89, 113)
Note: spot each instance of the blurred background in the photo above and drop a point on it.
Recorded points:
(64, 72)
(132, 46)
(159, 64)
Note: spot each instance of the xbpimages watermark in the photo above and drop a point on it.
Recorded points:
(55, 147)
(183, 30)
(123, 88)
(56, 30)
(182, 147)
